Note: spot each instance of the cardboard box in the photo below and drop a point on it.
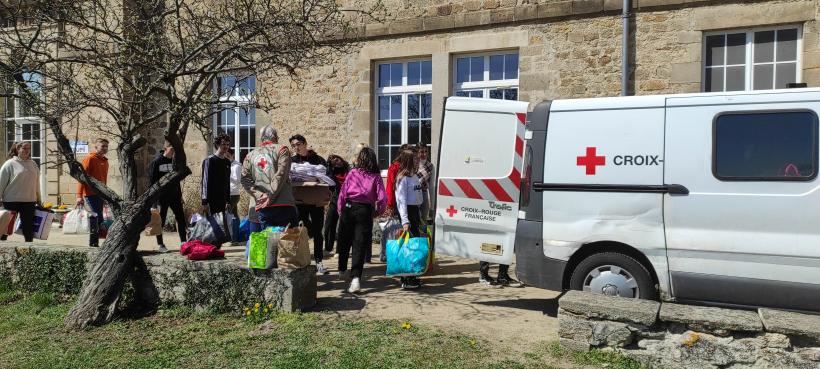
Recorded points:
(311, 193)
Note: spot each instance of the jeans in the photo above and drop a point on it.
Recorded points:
(484, 269)
(356, 231)
(179, 215)
(25, 211)
(95, 219)
(278, 216)
(313, 217)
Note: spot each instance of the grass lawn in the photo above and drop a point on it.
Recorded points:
(32, 336)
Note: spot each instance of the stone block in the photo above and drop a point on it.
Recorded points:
(777, 340)
(690, 37)
(811, 59)
(811, 354)
(739, 15)
(526, 12)
(502, 15)
(812, 77)
(587, 6)
(657, 3)
(439, 23)
(558, 9)
(643, 312)
(376, 29)
(789, 323)
(711, 319)
(685, 72)
(406, 26)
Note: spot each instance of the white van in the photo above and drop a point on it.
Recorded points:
(709, 197)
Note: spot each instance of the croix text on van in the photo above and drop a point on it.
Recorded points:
(622, 160)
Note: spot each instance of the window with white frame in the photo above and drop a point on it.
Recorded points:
(22, 123)
(756, 59)
(403, 100)
(236, 113)
(489, 76)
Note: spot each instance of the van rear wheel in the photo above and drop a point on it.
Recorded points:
(614, 274)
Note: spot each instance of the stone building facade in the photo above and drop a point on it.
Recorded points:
(391, 90)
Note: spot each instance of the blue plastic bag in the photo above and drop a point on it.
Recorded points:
(244, 230)
(407, 256)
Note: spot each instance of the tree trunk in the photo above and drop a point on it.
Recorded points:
(101, 290)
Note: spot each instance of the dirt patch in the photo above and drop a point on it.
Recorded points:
(450, 298)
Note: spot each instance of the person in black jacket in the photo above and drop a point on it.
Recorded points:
(312, 216)
(337, 170)
(160, 166)
(216, 178)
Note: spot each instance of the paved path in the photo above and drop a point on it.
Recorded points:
(450, 298)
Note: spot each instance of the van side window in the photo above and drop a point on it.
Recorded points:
(766, 146)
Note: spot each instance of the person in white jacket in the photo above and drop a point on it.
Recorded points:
(408, 202)
(236, 185)
(20, 187)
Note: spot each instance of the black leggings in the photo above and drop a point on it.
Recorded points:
(356, 231)
(179, 215)
(25, 210)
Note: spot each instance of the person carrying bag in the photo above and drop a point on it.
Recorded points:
(20, 187)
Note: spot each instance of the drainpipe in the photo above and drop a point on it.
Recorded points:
(625, 48)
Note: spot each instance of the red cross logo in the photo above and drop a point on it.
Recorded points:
(452, 211)
(262, 163)
(591, 161)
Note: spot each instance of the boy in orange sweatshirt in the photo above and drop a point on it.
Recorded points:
(95, 165)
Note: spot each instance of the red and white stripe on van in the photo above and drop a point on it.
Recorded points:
(506, 189)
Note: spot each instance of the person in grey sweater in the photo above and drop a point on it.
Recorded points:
(20, 186)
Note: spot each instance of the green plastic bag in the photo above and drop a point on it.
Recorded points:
(258, 253)
(264, 248)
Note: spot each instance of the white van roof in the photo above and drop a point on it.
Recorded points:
(488, 105)
(659, 101)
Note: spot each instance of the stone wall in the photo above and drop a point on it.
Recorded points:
(667, 335)
(216, 285)
(567, 49)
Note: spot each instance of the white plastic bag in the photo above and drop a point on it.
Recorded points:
(76, 222)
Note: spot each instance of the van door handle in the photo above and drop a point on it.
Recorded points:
(676, 189)
(672, 189)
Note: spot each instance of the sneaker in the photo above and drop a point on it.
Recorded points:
(163, 249)
(354, 286)
(411, 283)
(508, 281)
(320, 269)
(488, 281)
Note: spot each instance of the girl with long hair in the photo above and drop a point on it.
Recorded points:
(20, 186)
(408, 202)
(361, 199)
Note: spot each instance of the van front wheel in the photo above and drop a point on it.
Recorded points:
(614, 274)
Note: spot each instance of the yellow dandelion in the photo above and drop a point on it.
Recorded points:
(266, 310)
(247, 313)
(246, 309)
(256, 305)
(473, 342)
(270, 306)
(406, 325)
